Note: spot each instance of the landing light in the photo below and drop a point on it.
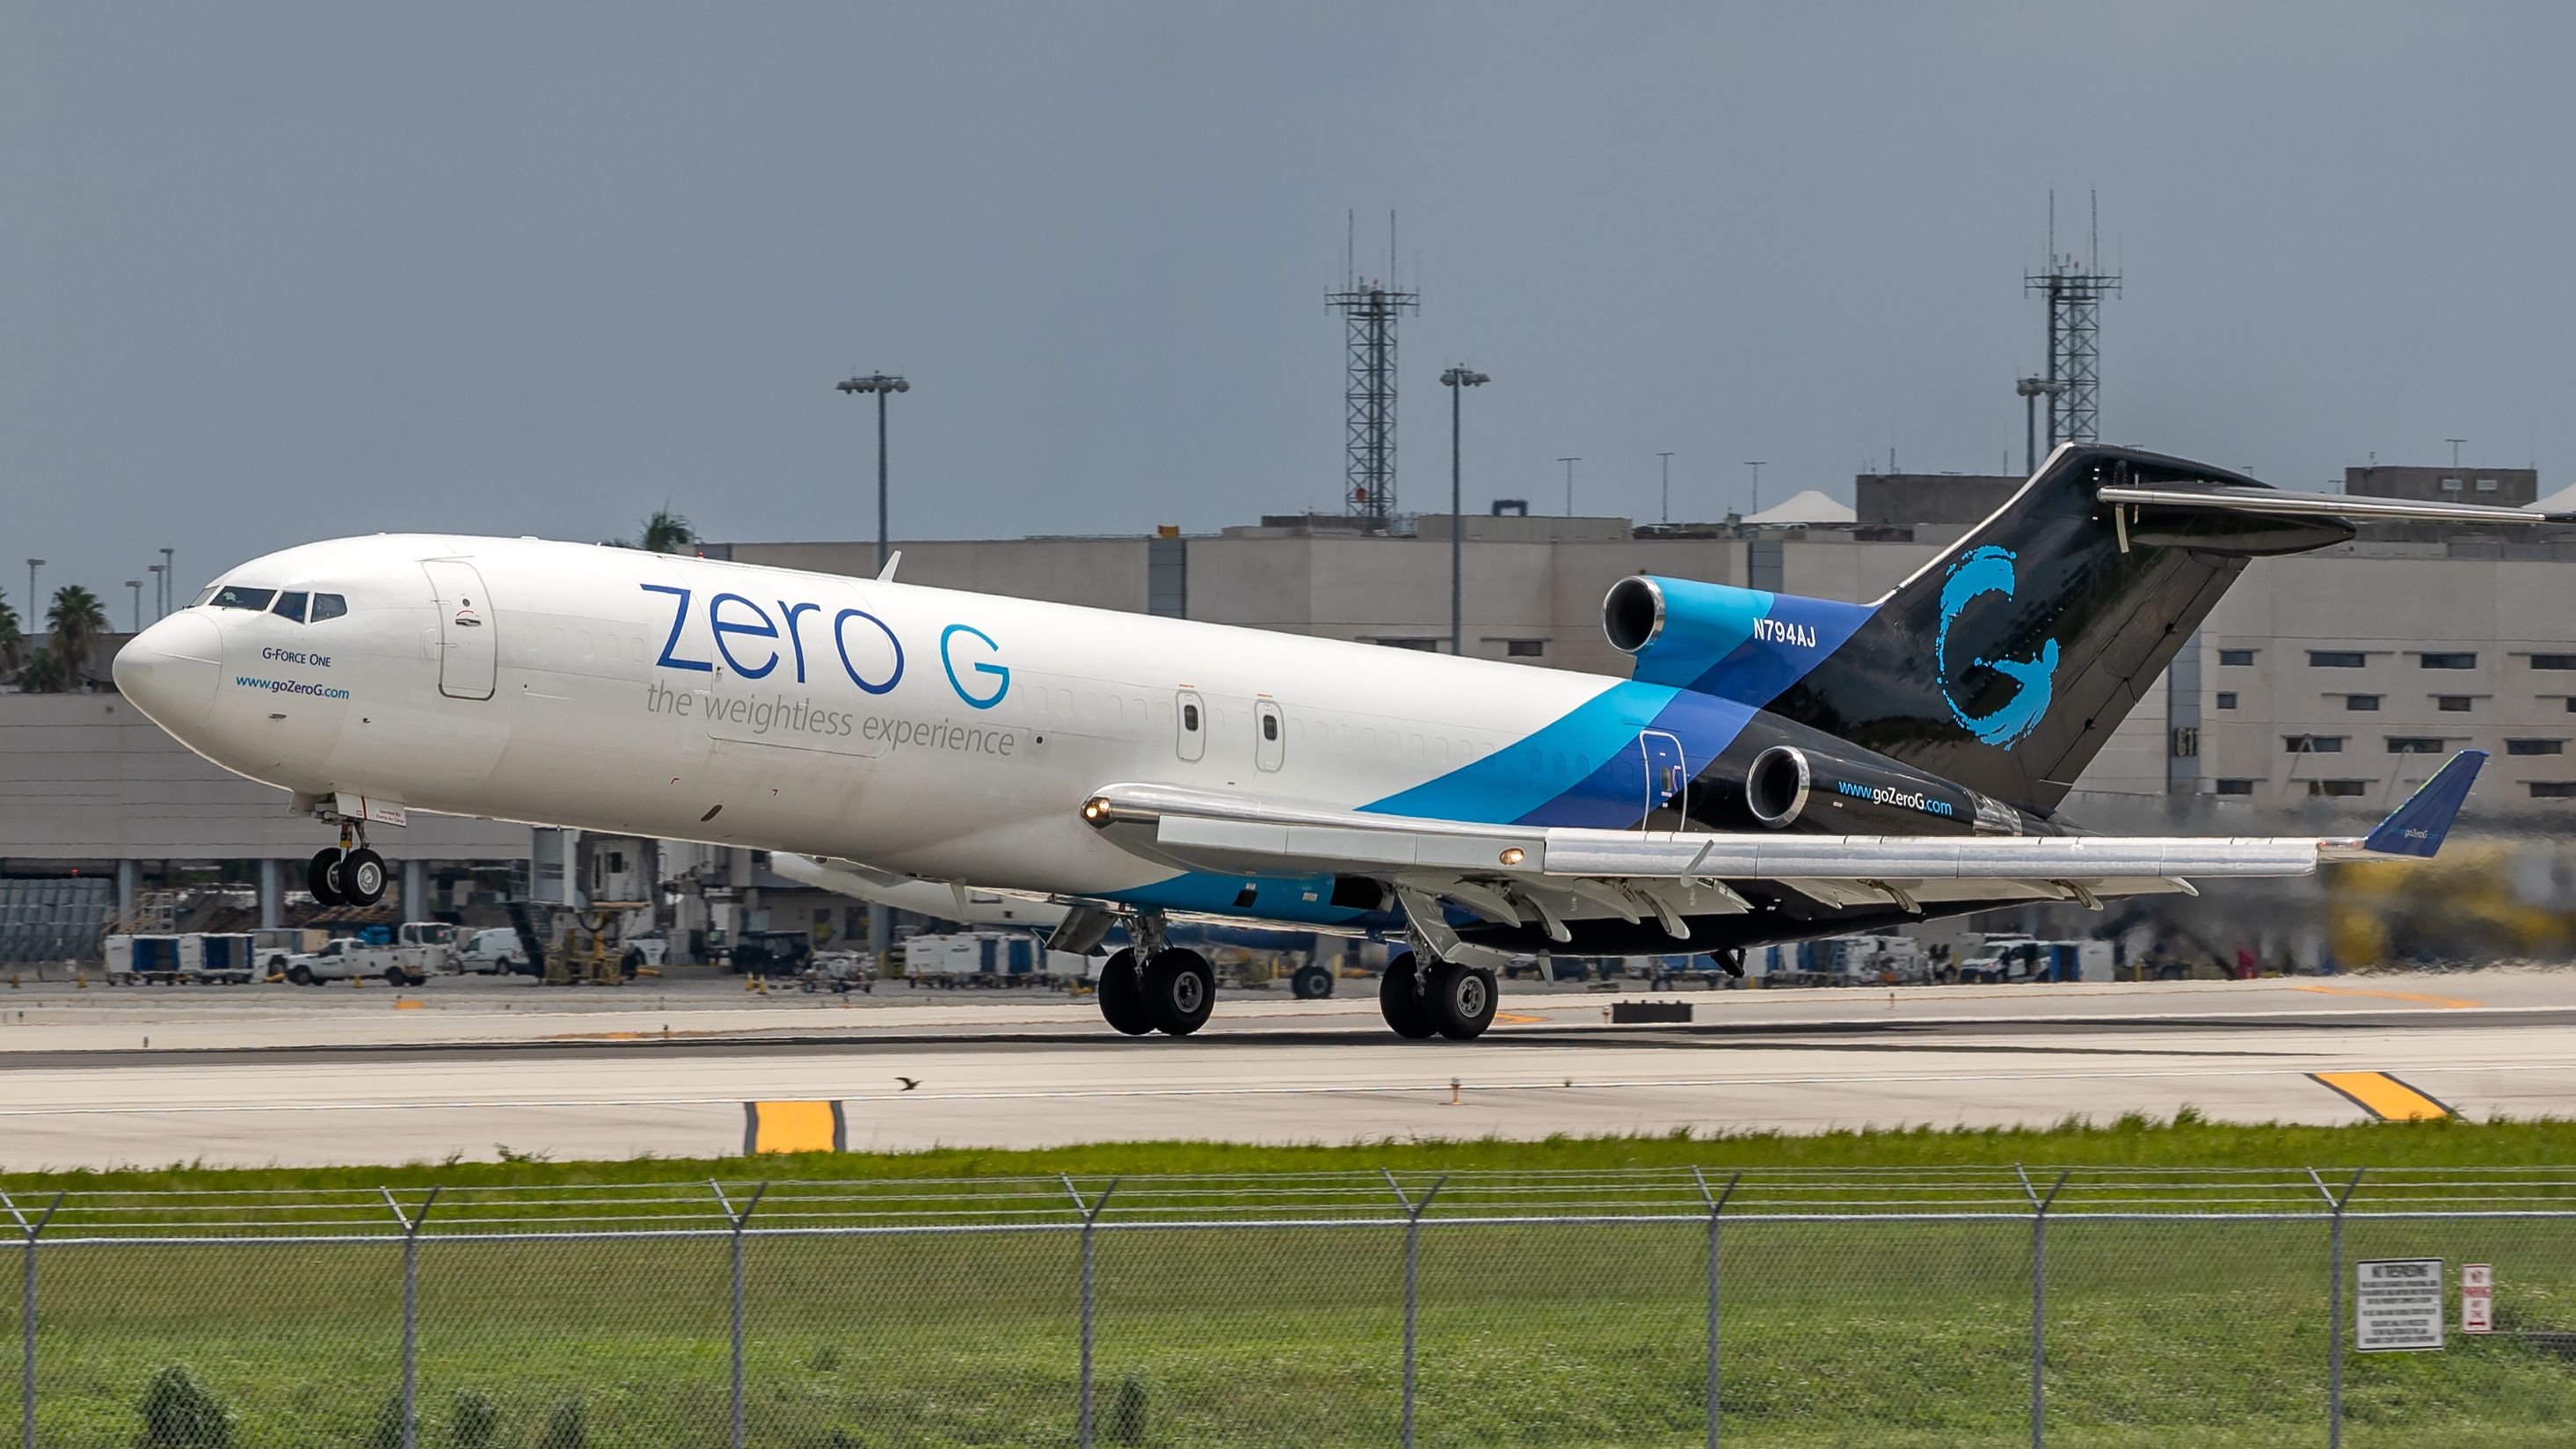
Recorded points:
(1513, 856)
(1094, 808)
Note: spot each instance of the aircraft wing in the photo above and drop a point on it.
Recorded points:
(1522, 874)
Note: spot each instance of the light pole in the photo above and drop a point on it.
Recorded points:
(882, 385)
(160, 589)
(2455, 449)
(2032, 389)
(137, 586)
(1569, 484)
(35, 611)
(1457, 380)
(1756, 465)
(1668, 488)
(169, 580)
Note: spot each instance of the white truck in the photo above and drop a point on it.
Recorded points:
(348, 956)
(496, 951)
(431, 947)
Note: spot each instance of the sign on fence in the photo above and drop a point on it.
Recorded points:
(2397, 1304)
(2477, 1298)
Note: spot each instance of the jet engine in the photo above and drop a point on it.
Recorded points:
(1852, 792)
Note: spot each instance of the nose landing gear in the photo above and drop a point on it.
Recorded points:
(346, 877)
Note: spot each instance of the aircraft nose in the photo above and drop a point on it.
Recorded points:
(169, 670)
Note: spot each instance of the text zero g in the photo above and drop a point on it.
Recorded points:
(753, 642)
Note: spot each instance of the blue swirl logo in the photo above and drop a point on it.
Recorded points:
(1989, 570)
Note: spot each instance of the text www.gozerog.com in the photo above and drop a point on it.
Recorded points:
(290, 686)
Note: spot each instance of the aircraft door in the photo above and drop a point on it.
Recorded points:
(1667, 773)
(1192, 724)
(1270, 748)
(468, 656)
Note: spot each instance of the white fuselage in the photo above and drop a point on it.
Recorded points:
(945, 735)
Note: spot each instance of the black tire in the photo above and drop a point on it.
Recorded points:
(1180, 990)
(299, 976)
(396, 976)
(1122, 996)
(1404, 1009)
(322, 877)
(362, 877)
(630, 963)
(1461, 1000)
(1311, 983)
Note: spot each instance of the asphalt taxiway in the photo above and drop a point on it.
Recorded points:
(251, 1076)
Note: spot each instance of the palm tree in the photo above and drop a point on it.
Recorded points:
(667, 532)
(13, 645)
(77, 619)
(43, 675)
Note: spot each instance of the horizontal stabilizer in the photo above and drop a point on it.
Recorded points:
(2277, 503)
(2416, 827)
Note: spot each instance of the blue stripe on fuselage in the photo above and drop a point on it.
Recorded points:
(1587, 768)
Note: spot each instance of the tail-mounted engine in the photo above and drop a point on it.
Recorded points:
(1807, 788)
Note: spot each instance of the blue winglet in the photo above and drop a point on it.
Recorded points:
(2416, 828)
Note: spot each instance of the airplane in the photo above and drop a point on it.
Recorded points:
(1775, 768)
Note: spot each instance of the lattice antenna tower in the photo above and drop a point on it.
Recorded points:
(2074, 288)
(1369, 310)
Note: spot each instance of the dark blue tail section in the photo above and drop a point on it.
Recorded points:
(2416, 827)
(2006, 664)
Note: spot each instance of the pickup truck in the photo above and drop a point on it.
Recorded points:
(347, 957)
(430, 947)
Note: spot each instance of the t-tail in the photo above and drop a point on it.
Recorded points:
(2006, 663)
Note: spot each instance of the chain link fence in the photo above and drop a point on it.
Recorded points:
(1787, 1308)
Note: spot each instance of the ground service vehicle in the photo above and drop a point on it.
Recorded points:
(346, 956)
(495, 951)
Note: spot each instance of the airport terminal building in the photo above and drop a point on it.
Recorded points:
(2324, 687)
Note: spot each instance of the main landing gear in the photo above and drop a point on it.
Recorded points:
(1449, 999)
(346, 877)
(1170, 991)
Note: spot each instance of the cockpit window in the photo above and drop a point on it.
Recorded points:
(204, 594)
(234, 596)
(328, 606)
(290, 605)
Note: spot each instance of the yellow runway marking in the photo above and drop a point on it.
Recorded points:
(2455, 1003)
(792, 1127)
(2382, 1096)
(1516, 1018)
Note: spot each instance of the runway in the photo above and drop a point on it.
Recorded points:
(271, 1075)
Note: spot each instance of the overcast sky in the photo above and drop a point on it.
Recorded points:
(271, 273)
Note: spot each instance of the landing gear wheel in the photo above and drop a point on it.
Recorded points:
(322, 877)
(1461, 1000)
(1404, 1007)
(1180, 990)
(1311, 983)
(362, 877)
(1122, 996)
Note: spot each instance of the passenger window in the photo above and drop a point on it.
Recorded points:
(290, 605)
(233, 596)
(328, 606)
